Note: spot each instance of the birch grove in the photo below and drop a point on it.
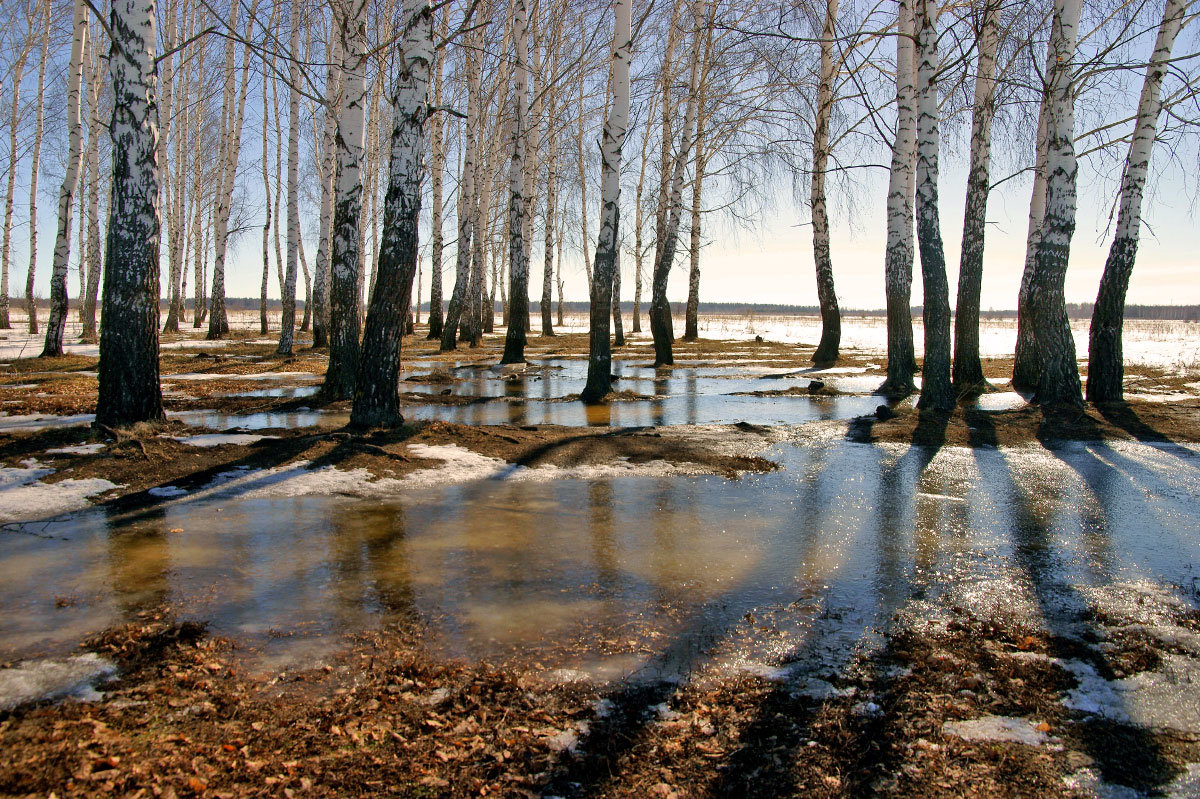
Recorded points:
(727, 109)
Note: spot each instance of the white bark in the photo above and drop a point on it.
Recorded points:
(899, 257)
(14, 119)
(66, 194)
(328, 173)
(288, 325)
(599, 379)
(35, 168)
(518, 254)
(1106, 368)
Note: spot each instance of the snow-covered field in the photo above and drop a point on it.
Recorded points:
(1171, 345)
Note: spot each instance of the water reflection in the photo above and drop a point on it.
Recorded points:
(621, 576)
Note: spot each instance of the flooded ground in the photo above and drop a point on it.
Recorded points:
(730, 580)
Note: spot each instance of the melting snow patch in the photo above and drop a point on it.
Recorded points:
(24, 497)
(1150, 699)
(37, 680)
(565, 741)
(1002, 401)
(996, 728)
(10, 424)
(167, 491)
(217, 439)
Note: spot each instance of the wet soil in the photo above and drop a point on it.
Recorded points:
(380, 718)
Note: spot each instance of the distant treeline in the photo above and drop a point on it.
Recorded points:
(1076, 310)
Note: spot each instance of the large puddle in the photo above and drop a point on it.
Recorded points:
(640, 576)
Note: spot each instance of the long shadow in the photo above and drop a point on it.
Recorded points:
(1125, 754)
(609, 738)
(755, 770)
(1121, 415)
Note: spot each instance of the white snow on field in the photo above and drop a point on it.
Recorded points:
(996, 728)
(1001, 401)
(24, 497)
(217, 439)
(41, 421)
(37, 680)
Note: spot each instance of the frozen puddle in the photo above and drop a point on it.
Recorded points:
(217, 439)
(41, 680)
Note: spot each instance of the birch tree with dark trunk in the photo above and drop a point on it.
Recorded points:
(599, 379)
(129, 390)
(514, 339)
(347, 206)
(460, 300)
(376, 393)
(1058, 383)
(1106, 365)
(437, 135)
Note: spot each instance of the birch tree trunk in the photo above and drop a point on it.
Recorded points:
(691, 315)
(129, 389)
(328, 175)
(599, 378)
(1106, 367)
(376, 395)
(618, 323)
(1027, 366)
(660, 310)
(968, 371)
(57, 323)
(548, 239)
(437, 133)
(14, 119)
(95, 254)
(1059, 382)
(35, 168)
(460, 299)
(936, 390)
(898, 261)
(265, 284)
(514, 340)
(233, 107)
(287, 326)
(831, 317)
(347, 204)
(639, 250)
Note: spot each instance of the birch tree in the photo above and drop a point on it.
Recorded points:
(90, 294)
(332, 102)
(347, 205)
(898, 261)
(1058, 383)
(936, 390)
(1106, 367)
(14, 121)
(660, 309)
(35, 165)
(437, 135)
(460, 299)
(129, 390)
(599, 379)
(233, 105)
(57, 322)
(514, 340)
(968, 370)
(287, 326)
(376, 394)
(831, 317)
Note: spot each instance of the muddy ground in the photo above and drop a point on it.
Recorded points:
(382, 718)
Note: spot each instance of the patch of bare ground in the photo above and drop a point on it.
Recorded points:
(149, 456)
(185, 718)
(967, 426)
